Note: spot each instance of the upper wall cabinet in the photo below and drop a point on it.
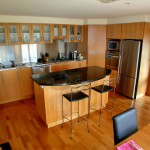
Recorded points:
(47, 34)
(75, 33)
(3, 34)
(114, 31)
(25, 33)
(13, 34)
(132, 31)
(41, 33)
(36, 33)
(60, 31)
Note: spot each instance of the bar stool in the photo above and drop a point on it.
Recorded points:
(107, 86)
(5, 146)
(77, 94)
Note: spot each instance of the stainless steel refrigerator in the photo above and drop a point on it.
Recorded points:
(128, 69)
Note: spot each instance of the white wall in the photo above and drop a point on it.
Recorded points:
(29, 19)
(51, 20)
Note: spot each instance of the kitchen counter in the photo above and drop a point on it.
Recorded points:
(32, 64)
(72, 76)
(49, 88)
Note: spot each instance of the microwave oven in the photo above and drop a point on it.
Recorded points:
(113, 45)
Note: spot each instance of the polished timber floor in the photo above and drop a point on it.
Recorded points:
(22, 127)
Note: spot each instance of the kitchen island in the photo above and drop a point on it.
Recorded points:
(50, 87)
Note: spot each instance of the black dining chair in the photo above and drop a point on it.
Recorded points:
(5, 146)
(124, 125)
(78, 92)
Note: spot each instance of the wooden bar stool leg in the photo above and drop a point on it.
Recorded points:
(112, 103)
(100, 114)
(78, 112)
(71, 120)
(62, 113)
(88, 116)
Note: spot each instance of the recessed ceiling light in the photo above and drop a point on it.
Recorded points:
(107, 1)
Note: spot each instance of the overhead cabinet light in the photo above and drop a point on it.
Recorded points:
(107, 1)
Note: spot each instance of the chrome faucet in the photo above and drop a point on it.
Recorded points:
(13, 63)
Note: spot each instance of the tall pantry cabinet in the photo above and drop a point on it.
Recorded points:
(96, 45)
(143, 85)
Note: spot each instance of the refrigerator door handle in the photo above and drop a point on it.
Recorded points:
(120, 61)
(119, 67)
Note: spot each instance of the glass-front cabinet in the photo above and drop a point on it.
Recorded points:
(13, 34)
(47, 34)
(64, 31)
(60, 31)
(79, 33)
(36, 33)
(25, 30)
(72, 33)
(3, 34)
(25, 33)
(75, 33)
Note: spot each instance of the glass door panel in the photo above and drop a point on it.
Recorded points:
(56, 31)
(72, 33)
(25, 33)
(79, 32)
(13, 34)
(47, 33)
(64, 31)
(37, 33)
(2, 34)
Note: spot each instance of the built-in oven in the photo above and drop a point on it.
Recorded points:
(112, 59)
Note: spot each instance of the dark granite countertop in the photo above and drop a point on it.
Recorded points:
(72, 76)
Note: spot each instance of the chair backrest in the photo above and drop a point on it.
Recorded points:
(84, 87)
(124, 124)
(81, 88)
(111, 82)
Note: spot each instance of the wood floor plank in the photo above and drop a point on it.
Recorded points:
(22, 127)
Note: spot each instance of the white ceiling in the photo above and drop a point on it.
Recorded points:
(75, 9)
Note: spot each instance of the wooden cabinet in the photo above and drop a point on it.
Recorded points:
(25, 81)
(114, 74)
(68, 65)
(15, 84)
(41, 33)
(3, 34)
(25, 33)
(47, 33)
(2, 88)
(113, 31)
(60, 31)
(61, 66)
(36, 33)
(18, 33)
(133, 31)
(79, 64)
(13, 33)
(10, 81)
(96, 45)
(75, 33)
(125, 31)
